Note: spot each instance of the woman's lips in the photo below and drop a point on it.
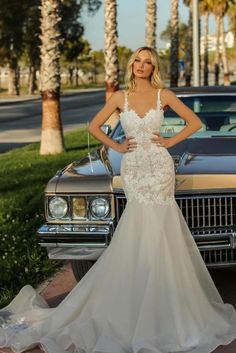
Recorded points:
(139, 70)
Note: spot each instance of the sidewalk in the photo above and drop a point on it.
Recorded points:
(55, 289)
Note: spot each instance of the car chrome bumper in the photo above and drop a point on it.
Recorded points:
(75, 242)
(87, 242)
(221, 240)
(218, 248)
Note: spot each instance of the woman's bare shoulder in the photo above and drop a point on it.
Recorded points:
(167, 95)
(118, 94)
(118, 97)
(167, 92)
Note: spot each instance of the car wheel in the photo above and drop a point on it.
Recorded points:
(80, 268)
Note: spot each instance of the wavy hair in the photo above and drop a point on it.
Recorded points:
(155, 78)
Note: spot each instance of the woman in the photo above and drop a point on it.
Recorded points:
(150, 291)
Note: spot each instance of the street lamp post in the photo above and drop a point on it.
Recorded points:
(196, 51)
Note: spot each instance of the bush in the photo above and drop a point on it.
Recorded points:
(23, 177)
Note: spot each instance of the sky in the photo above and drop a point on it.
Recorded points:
(131, 23)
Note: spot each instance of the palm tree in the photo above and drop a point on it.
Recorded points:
(205, 9)
(217, 53)
(189, 46)
(111, 51)
(151, 15)
(232, 18)
(224, 54)
(174, 49)
(206, 58)
(51, 137)
(220, 8)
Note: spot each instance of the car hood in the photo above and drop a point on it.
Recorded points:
(92, 173)
(201, 173)
(205, 172)
(191, 163)
(99, 173)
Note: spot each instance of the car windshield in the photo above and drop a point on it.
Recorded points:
(217, 113)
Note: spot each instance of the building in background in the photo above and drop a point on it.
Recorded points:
(229, 40)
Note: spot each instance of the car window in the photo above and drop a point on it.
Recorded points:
(217, 113)
(208, 104)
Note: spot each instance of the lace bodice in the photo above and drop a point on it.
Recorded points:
(141, 128)
(147, 173)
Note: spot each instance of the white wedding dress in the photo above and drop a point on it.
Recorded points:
(149, 292)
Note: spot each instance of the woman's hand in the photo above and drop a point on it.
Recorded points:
(161, 141)
(128, 145)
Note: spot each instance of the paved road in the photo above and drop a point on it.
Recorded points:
(20, 121)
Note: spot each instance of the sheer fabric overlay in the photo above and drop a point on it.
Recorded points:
(149, 292)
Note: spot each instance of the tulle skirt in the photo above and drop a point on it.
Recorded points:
(149, 292)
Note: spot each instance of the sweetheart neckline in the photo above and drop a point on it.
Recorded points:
(145, 115)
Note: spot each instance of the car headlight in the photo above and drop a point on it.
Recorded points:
(99, 207)
(58, 207)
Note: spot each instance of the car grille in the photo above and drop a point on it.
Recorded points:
(219, 256)
(209, 215)
(208, 211)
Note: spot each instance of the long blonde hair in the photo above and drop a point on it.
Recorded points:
(155, 78)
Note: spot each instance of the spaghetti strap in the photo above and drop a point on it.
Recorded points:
(126, 101)
(159, 105)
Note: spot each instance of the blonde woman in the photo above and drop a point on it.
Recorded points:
(150, 291)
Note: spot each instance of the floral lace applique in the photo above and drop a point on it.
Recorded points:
(148, 172)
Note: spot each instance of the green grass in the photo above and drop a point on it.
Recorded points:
(23, 177)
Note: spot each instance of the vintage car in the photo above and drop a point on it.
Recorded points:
(84, 201)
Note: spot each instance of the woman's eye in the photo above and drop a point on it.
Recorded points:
(144, 62)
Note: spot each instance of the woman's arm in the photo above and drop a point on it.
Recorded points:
(116, 101)
(193, 121)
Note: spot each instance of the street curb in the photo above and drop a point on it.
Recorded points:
(9, 101)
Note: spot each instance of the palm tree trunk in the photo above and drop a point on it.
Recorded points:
(174, 49)
(232, 19)
(52, 136)
(224, 54)
(206, 59)
(189, 51)
(32, 82)
(111, 52)
(71, 75)
(150, 35)
(94, 70)
(217, 53)
(13, 77)
(77, 77)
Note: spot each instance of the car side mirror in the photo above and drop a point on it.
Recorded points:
(106, 128)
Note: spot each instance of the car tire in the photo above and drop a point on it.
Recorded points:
(80, 268)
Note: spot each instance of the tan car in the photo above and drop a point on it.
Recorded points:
(84, 201)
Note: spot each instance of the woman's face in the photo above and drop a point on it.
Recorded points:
(142, 66)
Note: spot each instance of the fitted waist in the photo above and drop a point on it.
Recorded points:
(144, 141)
